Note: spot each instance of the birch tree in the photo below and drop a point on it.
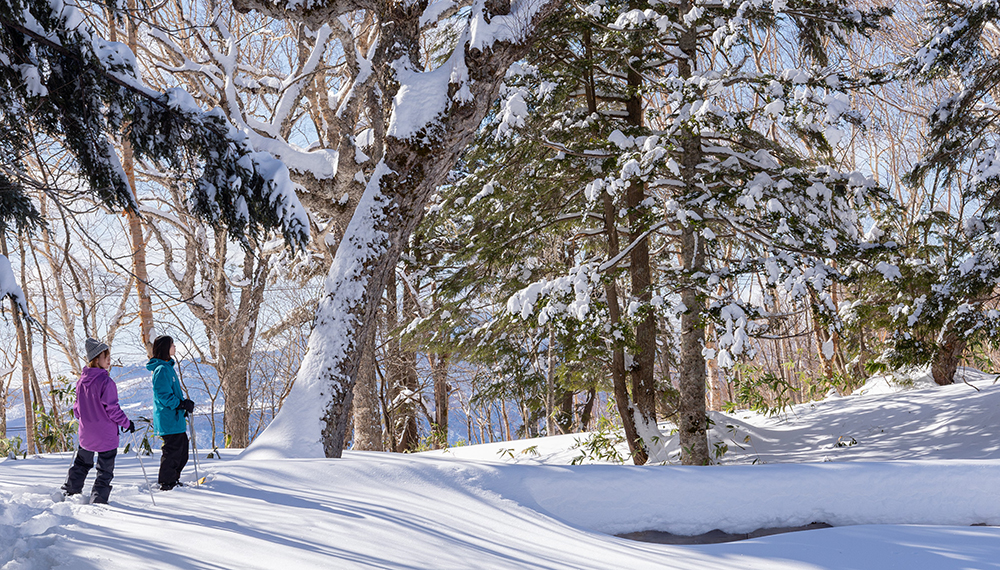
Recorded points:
(276, 81)
(226, 302)
(430, 115)
(61, 81)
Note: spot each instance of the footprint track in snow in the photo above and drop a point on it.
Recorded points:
(25, 522)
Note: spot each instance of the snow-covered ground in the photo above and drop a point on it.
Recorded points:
(924, 468)
(907, 417)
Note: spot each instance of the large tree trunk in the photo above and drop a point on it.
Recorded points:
(618, 373)
(693, 429)
(947, 358)
(366, 415)
(640, 273)
(241, 336)
(234, 369)
(415, 161)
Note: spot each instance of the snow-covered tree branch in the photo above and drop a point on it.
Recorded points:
(60, 77)
(432, 115)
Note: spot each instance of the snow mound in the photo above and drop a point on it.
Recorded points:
(917, 379)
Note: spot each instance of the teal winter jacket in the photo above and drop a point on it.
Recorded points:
(167, 395)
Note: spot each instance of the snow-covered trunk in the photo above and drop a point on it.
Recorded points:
(433, 117)
(388, 212)
(366, 416)
(618, 374)
(946, 360)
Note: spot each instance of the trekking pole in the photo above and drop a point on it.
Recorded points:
(190, 418)
(194, 446)
(138, 455)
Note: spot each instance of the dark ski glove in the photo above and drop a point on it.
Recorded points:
(187, 406)
(131, 427)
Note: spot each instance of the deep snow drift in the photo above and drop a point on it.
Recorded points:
(927, 457)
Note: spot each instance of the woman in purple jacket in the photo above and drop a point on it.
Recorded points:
(100, 417)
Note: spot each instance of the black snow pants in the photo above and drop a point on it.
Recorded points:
(82, 463)
(173, 459)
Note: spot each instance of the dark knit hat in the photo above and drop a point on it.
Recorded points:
(95, 348)
(161, 347)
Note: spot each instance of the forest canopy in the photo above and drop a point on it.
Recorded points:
(417, 224)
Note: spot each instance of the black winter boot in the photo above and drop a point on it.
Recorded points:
(100, 495)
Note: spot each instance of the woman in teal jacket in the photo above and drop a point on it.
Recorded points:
(169, 411)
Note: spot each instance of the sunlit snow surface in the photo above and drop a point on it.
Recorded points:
(925, 466)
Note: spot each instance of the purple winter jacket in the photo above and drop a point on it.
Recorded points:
(98, 411)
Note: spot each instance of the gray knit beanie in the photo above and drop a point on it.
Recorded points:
(95, 348)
